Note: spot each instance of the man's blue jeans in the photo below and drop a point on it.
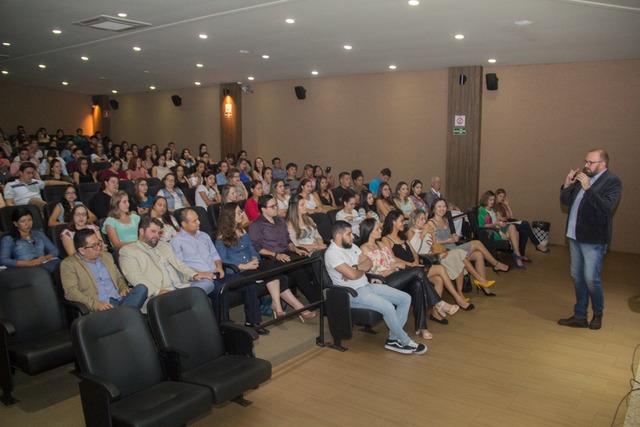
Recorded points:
(382, 298)
(586, 263)
(135, 298)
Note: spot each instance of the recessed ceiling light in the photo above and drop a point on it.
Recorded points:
(56, 31)
(265, 56)
(102, 78)
(42, 66)
(243, 51)
(199, 65)
(122, 15)
(459, 36)
(84, 58)
(146, 72)
(492, 61)
(65, 83)
(414, 2)
(392, 67)
(114, 91)
(203, 36)
(137, 48)
(6, 44)
(523, 22)
(290, 21)
(152, 87)
(251, 78)
(197, 83)
(314, 72)
(348, 46)
(5, 72)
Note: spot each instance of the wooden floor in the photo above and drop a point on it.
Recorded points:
(506, 363)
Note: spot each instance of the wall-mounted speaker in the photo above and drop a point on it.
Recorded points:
(492, 81)
(177, 101)
(114, 104)
(301, 92)
(95, 101)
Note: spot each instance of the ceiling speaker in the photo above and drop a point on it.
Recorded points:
(177, 101)
(114, 104)
(301, 92)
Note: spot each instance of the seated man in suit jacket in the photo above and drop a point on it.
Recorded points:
(91, 277)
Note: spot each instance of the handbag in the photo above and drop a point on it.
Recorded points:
(438, 248)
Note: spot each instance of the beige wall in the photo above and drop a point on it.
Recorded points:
(537, 126)
(543, 120)
(147, 118)
(34, 107)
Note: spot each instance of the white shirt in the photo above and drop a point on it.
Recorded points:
(336, 256)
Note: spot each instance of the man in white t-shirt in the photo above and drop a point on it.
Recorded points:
(347, 265)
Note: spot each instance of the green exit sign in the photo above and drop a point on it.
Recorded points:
(459, 130)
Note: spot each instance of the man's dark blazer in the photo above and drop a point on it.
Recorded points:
(595, 214)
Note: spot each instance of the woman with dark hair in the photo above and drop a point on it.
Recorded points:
(195, 179)
(305, 190)
(79, 221)
(281, 197)
(182, 182)
(235, 247)
(141, 202)
(303, 232)
(409, 279)
(25, 247)
(121, 226)
(402, 199)
(154, 152)
(233, 178)
(55, 172)
(258, 166)
(116, 151)
(324, 195)
(128, 155)
(115, 170)
(202, 148)
(168, 155)
(523, 227)
(175, 197)
(146, 158)
(160, 169)
(251, 205)
(395, 238)
(170, 225)
(416, 196)
(207, 192)
(245, 170)
(385, 202)
(135, 169)
(187, 160)
(101, 202)
(488, 218)
(266, 179)
(82, 173)
(61, 213)
(368, 205)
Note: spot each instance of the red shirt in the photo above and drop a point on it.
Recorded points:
(251, 209)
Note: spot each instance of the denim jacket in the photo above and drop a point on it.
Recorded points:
(170, 201)
(22, 250)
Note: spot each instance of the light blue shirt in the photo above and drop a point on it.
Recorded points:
(106, 287)
(197, 252)
(575, 207)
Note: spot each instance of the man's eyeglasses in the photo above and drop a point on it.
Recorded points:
(94, 246)
(589, 163)
(271, 206)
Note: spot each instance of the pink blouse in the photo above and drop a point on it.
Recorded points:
(382, 260)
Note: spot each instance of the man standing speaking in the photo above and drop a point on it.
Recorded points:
(592, 195)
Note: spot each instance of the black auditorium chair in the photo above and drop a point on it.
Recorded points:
(87, 190)
(341, 317)
(332, 215)
(53, 193)
(98, 167)
(54, 235)
(126, 186)
(190, 195)
(486, 235)
(196, 350)
(154, 185)
(213, 212)
(205, 223)
(121, 379)
(34, 336)
(5, 217)
(324, 224)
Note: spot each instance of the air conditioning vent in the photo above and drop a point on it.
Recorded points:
(111, 23)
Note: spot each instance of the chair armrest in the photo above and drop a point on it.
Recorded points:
(344, 289)
(170, 361)
(377, 277)
(98, 384)
(232, 267)
(80, 308)
(8, 328)
(238, 339)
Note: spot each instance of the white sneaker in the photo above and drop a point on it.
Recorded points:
(398, 347)
(418, 348)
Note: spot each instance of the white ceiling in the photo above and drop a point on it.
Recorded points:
(382, 32)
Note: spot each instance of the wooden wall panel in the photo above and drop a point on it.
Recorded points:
(463, 150)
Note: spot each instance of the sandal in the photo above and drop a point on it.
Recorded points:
(453, 309)
(497, 270)
(424, 333)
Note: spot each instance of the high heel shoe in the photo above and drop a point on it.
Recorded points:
(495, 268)
(517, 258)
(277, 313)
(468, 308)
(310, 315)
(424, 333)
(483, 285)
(453, 309)
(485, 291)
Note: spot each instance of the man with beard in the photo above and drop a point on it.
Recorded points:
(153, 262)
(592, 195)
(347, 266)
